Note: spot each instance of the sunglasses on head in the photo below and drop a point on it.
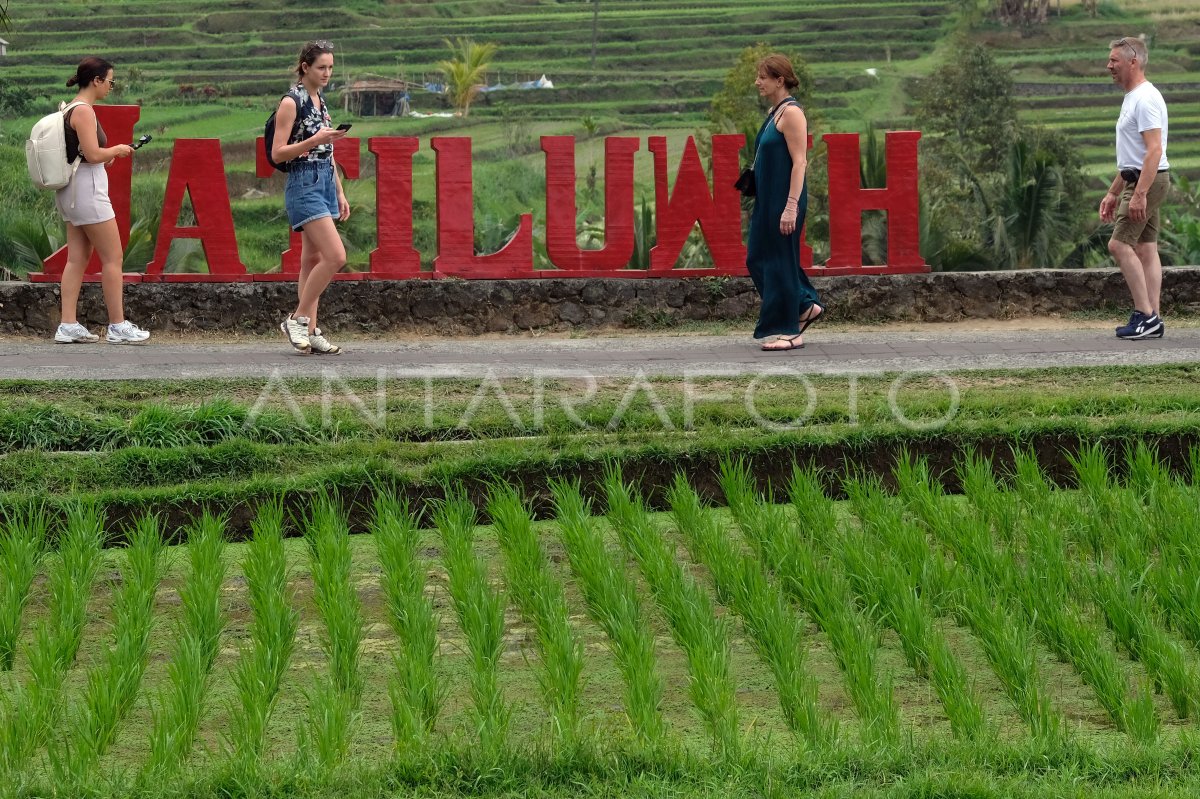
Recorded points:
(1128, 43)
(318, 46)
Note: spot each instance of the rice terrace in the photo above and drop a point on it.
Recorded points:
(768, 578)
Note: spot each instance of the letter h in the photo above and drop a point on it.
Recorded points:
(848, 199)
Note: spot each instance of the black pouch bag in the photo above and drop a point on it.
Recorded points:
(745, 182)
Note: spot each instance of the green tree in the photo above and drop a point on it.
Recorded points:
(969, 100)
(737, 108)
(1180, 238)
(978, 163)
(16, 100)
(465, 70)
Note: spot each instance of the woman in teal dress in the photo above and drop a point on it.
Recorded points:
(789, 302)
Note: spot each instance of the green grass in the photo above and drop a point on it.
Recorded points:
(336, 697)
(1087, 748)
(612, 603)
(741, 584)
(265, 657)
(182, 703)
(113, 684)
(480, 612)
(22, 544)
(689, 612)
(898, 594)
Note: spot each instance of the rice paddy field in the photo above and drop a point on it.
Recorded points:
(221, 595)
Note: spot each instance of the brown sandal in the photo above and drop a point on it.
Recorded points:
(811, 318)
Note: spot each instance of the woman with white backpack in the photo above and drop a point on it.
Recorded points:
(85, 206)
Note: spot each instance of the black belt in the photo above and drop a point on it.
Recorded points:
(1133, 175)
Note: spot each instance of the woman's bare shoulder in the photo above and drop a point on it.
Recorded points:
(792, 114)
(82, 112)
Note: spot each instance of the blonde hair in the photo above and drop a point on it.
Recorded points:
(1135, 46)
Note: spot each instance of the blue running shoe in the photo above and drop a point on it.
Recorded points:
(1141, 326)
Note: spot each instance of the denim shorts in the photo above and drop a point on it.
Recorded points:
(311, 192)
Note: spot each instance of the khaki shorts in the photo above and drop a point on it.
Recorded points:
(1133, 233)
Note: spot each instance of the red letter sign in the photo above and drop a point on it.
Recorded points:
(718, 212)
(561, 232)
(848, 199)
(456, 222)
(198, 170)
(395, 257)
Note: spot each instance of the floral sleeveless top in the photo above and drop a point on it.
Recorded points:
(309, 120)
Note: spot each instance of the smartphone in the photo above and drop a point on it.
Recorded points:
(143, 140)
(344, 126)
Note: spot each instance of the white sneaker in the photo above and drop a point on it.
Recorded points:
(126, 333)
(320, 344)
(295, 328)
(74, 333)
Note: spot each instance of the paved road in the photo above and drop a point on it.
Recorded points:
(828, 352)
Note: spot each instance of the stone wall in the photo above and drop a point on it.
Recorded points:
(478, 306)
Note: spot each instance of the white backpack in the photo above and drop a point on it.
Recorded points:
(46, 150)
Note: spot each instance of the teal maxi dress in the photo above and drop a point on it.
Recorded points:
(772, 258)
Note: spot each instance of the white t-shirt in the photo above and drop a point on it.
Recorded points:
(1143, 109)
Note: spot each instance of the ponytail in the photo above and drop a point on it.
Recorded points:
(88, 70)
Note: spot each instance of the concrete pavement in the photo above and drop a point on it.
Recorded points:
(828, 351)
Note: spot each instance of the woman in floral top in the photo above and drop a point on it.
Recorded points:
(314, 197)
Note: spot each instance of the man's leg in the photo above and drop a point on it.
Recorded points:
(1147, 246)
(1147, 254)
(1134, 274)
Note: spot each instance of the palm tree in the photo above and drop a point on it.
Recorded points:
(1028, 215)
(465, 70)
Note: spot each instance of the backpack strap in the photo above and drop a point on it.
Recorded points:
(296, 121)
(64, 108)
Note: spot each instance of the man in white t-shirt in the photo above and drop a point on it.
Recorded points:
(1141, 184)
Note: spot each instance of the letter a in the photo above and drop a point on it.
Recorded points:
(198, 170)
